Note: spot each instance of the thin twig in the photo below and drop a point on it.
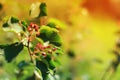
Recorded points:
(30, 51)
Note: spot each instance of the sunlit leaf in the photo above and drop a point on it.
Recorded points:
(35, 10)
(60, 24)
(12, 24)
(38, 74)
(51, 35)
(51, 24)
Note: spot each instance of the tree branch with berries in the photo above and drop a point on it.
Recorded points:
(43, 44)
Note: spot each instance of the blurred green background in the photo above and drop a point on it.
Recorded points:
(88, 31)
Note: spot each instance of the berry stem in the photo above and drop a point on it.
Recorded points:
(29, 51)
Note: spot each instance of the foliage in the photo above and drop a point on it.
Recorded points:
(42, 43)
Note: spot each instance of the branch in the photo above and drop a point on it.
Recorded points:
(30, 53)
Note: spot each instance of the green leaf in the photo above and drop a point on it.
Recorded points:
(55, 39)
(10, 69)
(43, 9)
(12, 24)
(60, 24)
(2, 46)
(35, 10)
(5, 25)
(51, 24)
(51, 65)
(59, 51)
(38, 74)
(51, 35)
(24, 23)
(14, 20)
(11, 51)
(43, 68)
(22, 64)
(26, 70)
(54, 63)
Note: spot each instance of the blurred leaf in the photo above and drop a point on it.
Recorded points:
(12, 24)
(1, 6)
(59, 51)
(38, 10)
(55, 39)
(5, 25)
(71, 53)
(49, 64)
(10, 69)
(35, 10)
(51, 35)
(12, 50)
(48, 58)
(22, 64)
(38, 74)
(50, 77)
(43, 68)
(59, 24)
(26, 70)
(52, 64)
(16, 28)
(43, 9)
(3, 46)
(24, 23)
(51, 24)
(14, 20)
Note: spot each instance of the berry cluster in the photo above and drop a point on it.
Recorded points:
(33, 28)
(44, 50)
(40, 50)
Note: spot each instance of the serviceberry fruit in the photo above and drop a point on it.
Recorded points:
(50, 51)
(44, 54)
(31, 25)
(54, 49)
(29, 29)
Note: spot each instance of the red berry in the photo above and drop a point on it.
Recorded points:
(50, 51)
(32, 25)
(44, 54)
(48, 46)
(36, 28)
(29, 29)
(40, 46)
(35, 25)
(54, 49)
